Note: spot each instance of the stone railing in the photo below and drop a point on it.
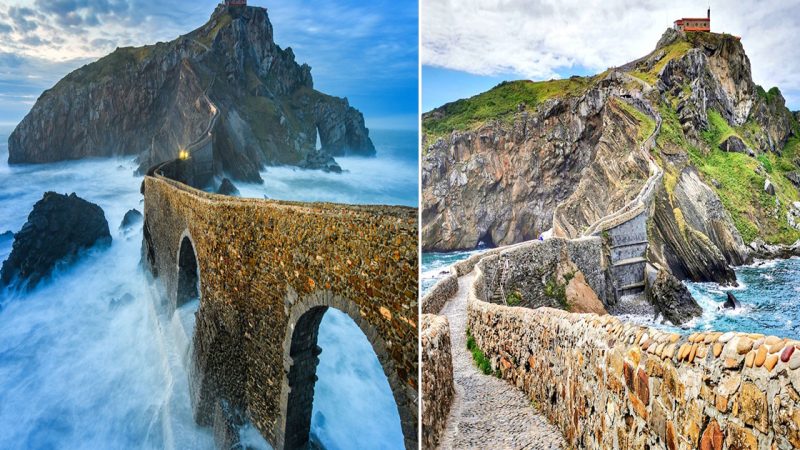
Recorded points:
(437, 377)
(612, 385)
(440, 293)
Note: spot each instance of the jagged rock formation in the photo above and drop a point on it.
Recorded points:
(131, 218)
(506, 165)
(58, 228)
(227, 78)
(672, 299)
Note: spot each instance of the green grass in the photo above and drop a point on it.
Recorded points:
(513, 298)
(718, 130)
(671, 131)
(483, 363)
(741, 190)
(646, 124)
(499, 103)
(558, 291)
(672, 51)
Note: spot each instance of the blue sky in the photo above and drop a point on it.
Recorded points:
(468, 46)
(365, 51)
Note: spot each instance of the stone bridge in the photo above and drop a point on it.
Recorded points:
(265, 273)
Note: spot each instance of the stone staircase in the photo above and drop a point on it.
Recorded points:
(500, 277)
(626, 228)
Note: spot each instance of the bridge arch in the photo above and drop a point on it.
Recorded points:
(300, 360)
(188, 271)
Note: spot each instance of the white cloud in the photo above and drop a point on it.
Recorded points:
(538, 38)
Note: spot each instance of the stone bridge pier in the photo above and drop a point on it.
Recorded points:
(265, 273)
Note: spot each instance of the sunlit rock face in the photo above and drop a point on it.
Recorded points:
(227, 78)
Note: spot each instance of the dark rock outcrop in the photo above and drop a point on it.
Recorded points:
(227, 188)
(731, 302)
(794, 177)
(58, 228)
(672, 299)
(319, 160)
(131, 218)
(735, 144)
(227, 78)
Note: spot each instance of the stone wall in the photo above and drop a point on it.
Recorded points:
(266, 269)
(440, 293)
(527, 268)
(437, 377)
(611, 385)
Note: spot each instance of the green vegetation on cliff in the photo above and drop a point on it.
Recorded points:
(646, 123)
(499, 103)
(740, 183)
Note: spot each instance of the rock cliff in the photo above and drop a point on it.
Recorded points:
(227, 78)
(513, 162)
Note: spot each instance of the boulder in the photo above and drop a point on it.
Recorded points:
(794, 177)
(319, 160)
(731, 302)
(227, 188)
(132, 217)
(769, 188)
(581, 298)
(58, 228)
(672, 299)
(735, 144)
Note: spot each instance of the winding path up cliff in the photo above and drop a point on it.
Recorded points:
(509, 164)
(149, 102)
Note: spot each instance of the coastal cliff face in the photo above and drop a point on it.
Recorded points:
(228, 78)
(506, 165)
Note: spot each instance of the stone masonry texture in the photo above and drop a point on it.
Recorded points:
(612, 385)
(437, 377)
(263, 266)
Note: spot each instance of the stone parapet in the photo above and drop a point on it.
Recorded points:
(611, 385)
(437, 377)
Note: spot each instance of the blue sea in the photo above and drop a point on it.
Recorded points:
(87, 360)
(769, 292)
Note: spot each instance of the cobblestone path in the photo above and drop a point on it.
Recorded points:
(487, 412)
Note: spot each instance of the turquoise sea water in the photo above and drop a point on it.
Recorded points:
(88, 361)
(769, 292)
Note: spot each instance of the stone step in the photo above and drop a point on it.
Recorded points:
(632, 286)
(629, 261)
(629, 244)
(628, 251)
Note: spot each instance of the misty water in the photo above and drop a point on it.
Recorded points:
(769, 292)
(88, 361)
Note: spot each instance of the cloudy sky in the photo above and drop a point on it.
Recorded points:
(468, 46)
(366, 51)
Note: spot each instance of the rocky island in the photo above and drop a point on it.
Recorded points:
(715, 152)
(227, 80)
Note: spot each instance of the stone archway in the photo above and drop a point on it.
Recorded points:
(301, 357)
(188, 272)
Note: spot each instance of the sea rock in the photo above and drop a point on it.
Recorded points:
(227, 188)
(319, 160)
(769, 188)
(672, 299)
(131, 218)
(731, 302)
(735, 144)
(58, 228)
(227, 80)
(762, 250)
